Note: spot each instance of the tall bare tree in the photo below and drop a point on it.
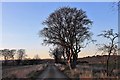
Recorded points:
(5, 54)
(111, 47)
(69, 28)
(12, 53)
(21, 54)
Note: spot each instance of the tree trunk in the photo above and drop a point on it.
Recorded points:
(13, 63)
(56, 59)
(69, 60)
(63, 54)
(74, 61)
(5, 58)
(108, 65)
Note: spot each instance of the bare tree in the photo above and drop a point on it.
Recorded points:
(115, 6)
(12, 53)
(69, 28)
(21, 54)
(8, 54)
(56, 54)
(5, 54)
(111, 47)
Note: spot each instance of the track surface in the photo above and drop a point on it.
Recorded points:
(52, 73)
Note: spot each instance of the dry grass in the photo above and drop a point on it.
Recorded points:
(84, 71)
(21, 72)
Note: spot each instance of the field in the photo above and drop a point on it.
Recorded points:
(87, 71)
(21, 71)
(88, 67)
(92, 67)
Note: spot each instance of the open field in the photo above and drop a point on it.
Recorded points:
(87, 71)
(21, 71)
(92, 67)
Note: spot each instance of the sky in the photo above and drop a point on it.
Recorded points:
(21, 22)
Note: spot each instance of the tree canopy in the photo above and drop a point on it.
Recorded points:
(69, 28)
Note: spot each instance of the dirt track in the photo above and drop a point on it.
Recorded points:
(51, 72)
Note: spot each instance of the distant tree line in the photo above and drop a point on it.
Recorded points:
(17, 57)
